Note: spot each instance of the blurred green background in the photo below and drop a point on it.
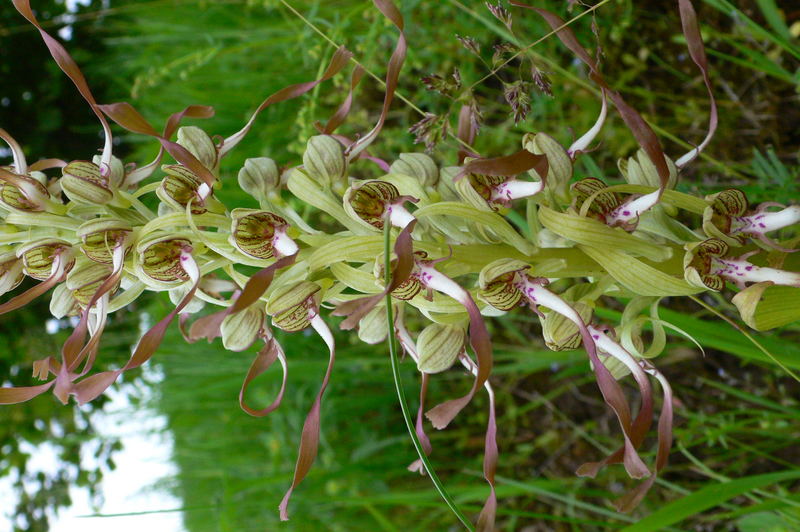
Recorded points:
(737, 415)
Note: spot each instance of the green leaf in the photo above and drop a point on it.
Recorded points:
(598, 235)
(706, 498)
(637, 276)
(765, 307)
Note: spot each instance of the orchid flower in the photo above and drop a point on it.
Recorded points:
(729, 218)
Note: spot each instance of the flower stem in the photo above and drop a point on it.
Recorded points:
(401, 396)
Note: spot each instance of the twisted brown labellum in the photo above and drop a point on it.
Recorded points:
(641, 130)
(309, 439)
(337, 119)
(337, 63)
(631, 500)
(694, 42)
(358, 308)
(59, 266)
(640, 426)
(396, 61)
(264, 359)
(191, 111)
(71, 352)
(126, 116)
(508, 165)
(70, 68)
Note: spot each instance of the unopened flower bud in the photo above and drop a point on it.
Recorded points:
(241, 329)
(372, 328)
(260, 234)
(63, 303)
(559, 163)
(640, 170)
(38, 256)
(117, 170)
(259, 177)
(199, 144)
(82, 182)
(417, 165)
(438, 346)
(293, 305)
(101, 235)
(324, 160)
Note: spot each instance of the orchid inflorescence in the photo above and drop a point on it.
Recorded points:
(456, 258)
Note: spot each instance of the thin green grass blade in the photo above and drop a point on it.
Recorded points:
(705, 499)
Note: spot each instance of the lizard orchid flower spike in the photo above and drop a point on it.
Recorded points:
(707, 265)
(729, 218)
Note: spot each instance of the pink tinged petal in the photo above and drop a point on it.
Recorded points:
(20, 164)
(396, 61)
(763, 222)
(697, 52)
(57, 275)
(338, 61)
(627, 214)
(309, 439)
(739, 271)
(91, 387)
(441, 415)
(609, 387)
(11, 396)
(264, 359)
(283, 244)
(70, 68)
(515, 189)
(47, 164)
(582, 143)
(399, 215)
